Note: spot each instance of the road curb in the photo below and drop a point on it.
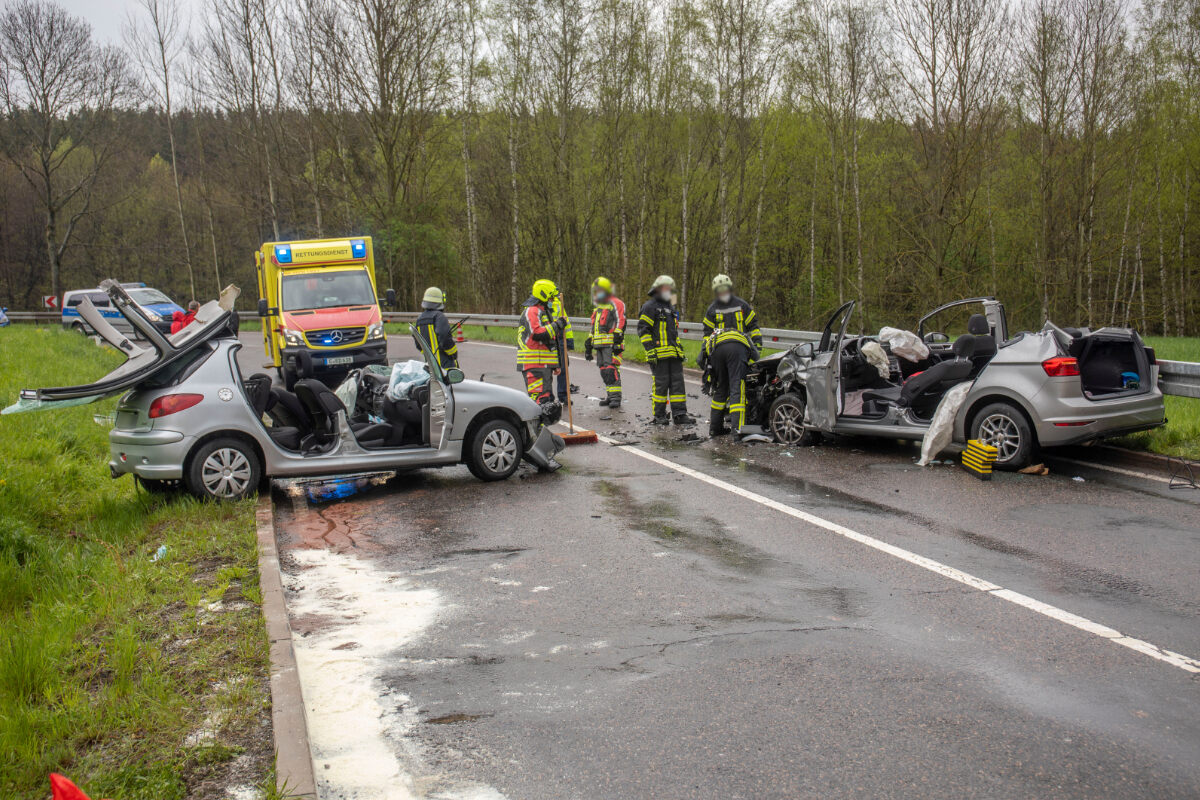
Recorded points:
(293, 757)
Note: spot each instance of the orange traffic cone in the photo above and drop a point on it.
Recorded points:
(62, 789)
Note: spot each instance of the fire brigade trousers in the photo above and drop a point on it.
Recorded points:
(610, 372)
(729, 363)
(538, 383)
(667, 387)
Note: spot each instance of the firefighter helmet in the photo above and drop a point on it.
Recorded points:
(722, 281)
(661, 281)
(603, 284)
(433, 297)
(544, 290)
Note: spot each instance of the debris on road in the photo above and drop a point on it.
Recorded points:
(1078, 479)
(1035, 469)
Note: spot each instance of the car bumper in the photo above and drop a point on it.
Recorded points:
(1074, 419)
(152, 454)
(317, 360)
(545, 446)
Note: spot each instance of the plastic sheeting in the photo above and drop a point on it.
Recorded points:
(941, 429)
(878, 359)
(33, 404)
(406, 376)
(904, 344)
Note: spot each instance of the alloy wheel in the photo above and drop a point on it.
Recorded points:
(226, 473)
(1001, 432)
(788, 423)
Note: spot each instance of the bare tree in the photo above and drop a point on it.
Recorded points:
(155, 43)
(59, 90)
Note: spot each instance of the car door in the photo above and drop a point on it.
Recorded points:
(141, 363)
(441, 397)
(824, 372)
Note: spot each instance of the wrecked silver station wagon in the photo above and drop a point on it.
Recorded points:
(1035, 389)
(189, 418)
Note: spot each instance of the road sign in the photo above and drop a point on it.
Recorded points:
(50, 301)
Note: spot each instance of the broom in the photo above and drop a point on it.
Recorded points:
(580, 436)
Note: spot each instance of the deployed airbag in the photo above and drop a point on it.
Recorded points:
(406, 376)
(905, 344)
(941, 429)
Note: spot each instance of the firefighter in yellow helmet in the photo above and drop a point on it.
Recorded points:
(659, 331)
(434, 329)
(607, 339)
(538, 334)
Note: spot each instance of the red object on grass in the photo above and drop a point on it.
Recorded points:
(62, 789)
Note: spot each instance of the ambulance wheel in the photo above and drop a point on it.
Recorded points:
(495, 450)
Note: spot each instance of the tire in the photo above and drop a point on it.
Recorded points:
(223, 469)
(1005, 427)
(785, 419)
(495, 450)
(161, 487)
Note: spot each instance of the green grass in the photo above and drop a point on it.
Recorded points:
(110, 659)
(1181, 435)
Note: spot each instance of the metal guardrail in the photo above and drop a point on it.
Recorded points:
(1179, 378)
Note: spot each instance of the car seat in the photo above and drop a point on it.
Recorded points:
(264, 401)
(922, 391)
(985, 342)
(323, 406)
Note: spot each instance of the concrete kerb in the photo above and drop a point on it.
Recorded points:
(293, 756)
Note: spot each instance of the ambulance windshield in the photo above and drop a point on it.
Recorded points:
(327, 290)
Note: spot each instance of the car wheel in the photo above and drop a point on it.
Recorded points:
(153, 486)
(224, 469)
(785, 418)
(1004, 426)
(495, 451)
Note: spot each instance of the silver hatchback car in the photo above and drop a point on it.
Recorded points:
(190, 419)
(1047, 388)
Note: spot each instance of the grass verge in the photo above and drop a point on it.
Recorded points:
(1181, 435)
(137, 671)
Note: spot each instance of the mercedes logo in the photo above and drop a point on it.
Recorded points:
(336, 336)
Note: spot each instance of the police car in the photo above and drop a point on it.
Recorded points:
(157, 307)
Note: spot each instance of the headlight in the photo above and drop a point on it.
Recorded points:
(294, 338)
(375, 331)
(153, 316)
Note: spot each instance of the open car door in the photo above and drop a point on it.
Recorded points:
(440, 399)
(954, 315)
(141, 362)
(824, 372)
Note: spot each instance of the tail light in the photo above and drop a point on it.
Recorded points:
(172, 403)
(1061, 367)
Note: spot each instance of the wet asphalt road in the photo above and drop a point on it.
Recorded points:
(618, 629)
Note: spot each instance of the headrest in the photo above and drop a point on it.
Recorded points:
(978, 325)
(964, 346)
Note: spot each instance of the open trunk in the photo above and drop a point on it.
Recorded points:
(1113, 362)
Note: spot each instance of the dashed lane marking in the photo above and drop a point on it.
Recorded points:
(1045, 609)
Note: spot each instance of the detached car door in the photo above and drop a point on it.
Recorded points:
(141, 363)
(824, 372)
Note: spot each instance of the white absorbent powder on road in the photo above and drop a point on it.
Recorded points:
(359, 729)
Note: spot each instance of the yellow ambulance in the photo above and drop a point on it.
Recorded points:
(319, 307)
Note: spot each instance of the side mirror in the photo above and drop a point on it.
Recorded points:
(804, 350)
(454, 375)
(264, 309)
(390, 298)
(936, 337)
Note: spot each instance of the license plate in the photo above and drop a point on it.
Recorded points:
(339, 361)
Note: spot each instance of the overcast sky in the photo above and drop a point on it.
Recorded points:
(107, 16)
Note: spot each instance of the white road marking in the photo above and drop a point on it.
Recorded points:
(1052, 612)
(1119, 470)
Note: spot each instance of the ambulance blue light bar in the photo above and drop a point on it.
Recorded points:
(283, 253)
(358, 248)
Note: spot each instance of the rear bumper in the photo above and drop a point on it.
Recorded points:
(153, 454)
(304, 360)
(1071, 420)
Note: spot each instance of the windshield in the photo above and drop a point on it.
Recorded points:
(148, 297)
(329, 290)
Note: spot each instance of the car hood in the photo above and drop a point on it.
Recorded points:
(141, 362)
(321, 318)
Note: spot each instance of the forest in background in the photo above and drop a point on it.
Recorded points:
(899, 153)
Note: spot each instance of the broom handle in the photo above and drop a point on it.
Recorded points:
(567, 378)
